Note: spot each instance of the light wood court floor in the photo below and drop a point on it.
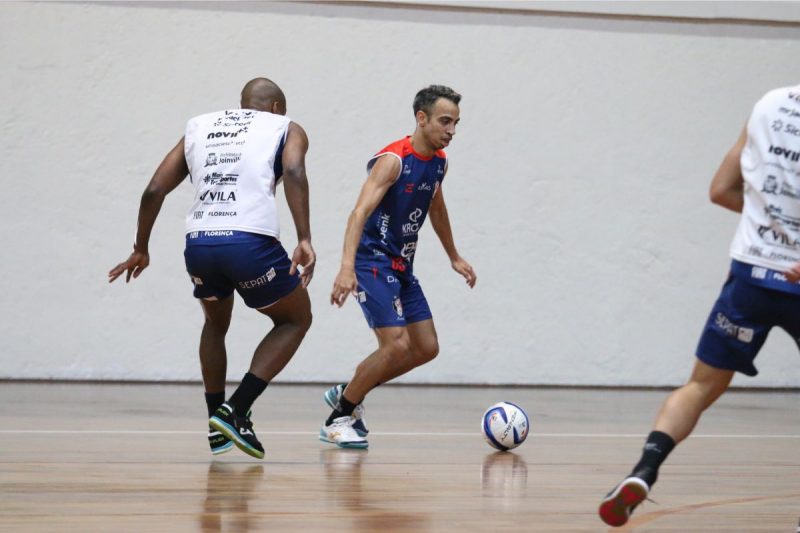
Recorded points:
(82, 457)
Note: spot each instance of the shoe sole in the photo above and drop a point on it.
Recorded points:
(231, 433)
(616, 507)
(330, 400)
(219, 450)
(346, 445)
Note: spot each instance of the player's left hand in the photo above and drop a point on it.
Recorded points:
(793, 274)
(465, 269)
(134, 265)
(304, 257)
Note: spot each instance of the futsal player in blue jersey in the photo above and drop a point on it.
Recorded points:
(403, 187)
(759, 178)
(235, 159)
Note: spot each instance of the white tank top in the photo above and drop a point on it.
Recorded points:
(769, 230)
(234, 159)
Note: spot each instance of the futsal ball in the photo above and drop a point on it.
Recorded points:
(505, 425)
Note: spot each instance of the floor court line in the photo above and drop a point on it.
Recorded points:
(376, 433)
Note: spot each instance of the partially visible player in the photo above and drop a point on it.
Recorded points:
(235, 159)
(759, 178)
(404, 185)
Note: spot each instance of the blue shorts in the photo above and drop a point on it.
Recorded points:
(740, 321)
(255, 265)
(390, 297)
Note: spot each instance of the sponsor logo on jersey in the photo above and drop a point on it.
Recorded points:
(408, 250)
(222, 213)
(785, 127)
(770, 185)
(791, 155)
(383, 226)
(777, 236)
(223, 159)
(412, 227)
(216, 178)
(425, 186)
(789, 111)
(216, 197)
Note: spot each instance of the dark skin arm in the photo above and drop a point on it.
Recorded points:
(169, 174)
(727, 186)
(295, 183)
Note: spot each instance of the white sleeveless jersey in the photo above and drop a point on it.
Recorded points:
(234, 159)
(769, 230)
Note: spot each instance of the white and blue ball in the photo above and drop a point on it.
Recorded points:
(505, 425)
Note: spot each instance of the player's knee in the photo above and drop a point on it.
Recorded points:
(399, 347)
(304, 320)
(216, 327)
(428, 351)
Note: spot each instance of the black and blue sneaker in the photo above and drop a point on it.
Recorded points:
(218, 442)
(238, 429)
(332, 397)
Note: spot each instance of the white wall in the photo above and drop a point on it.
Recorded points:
(577, 186)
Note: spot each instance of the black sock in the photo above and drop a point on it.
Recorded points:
(655, 451)
(346, 408)
(249, 389)
(214, 400)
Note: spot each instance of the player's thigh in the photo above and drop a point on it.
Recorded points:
(789, 312)
(218, 312)
(295, 307)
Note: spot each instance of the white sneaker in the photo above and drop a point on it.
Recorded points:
(332, 397)
(342, 434)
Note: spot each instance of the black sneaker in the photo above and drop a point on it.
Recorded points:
(618, 505)
(218, 442)
(239, 429)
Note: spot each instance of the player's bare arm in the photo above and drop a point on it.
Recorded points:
(727, 186)
(169, 174)
(383, 174)
(441, 225)
(295, 183)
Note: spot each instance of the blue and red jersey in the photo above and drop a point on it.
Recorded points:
(392, 229)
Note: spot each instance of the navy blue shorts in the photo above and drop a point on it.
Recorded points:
(255, 265)
(740, 321)
(390, 297)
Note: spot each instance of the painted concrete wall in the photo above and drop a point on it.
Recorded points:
(577, 185)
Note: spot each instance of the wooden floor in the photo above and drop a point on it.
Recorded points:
(135, 458)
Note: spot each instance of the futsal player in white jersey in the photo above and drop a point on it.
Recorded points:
(759, 178)
(234, 159)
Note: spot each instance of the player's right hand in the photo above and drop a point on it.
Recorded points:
(793, 274)
(344, 284)
(134, 265)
